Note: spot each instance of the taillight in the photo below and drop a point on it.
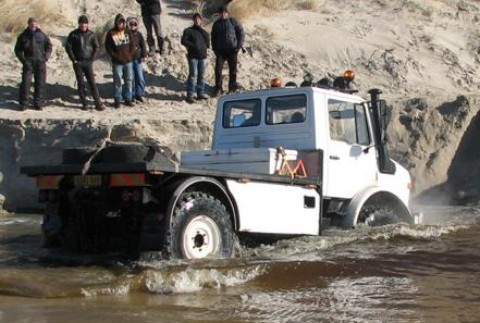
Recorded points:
(42, 196)
(48, 196)
(52, 196)
(131, 196)
(136, 195)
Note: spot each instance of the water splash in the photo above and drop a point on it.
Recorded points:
(195, 279)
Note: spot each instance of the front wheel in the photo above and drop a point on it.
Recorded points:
(374, 215)
(201, 228)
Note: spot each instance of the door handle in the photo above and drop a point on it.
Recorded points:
(332, 157)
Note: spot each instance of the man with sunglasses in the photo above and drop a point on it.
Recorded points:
(139, 56)
(82, 46)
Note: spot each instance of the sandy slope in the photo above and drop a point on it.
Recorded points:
(412, 49)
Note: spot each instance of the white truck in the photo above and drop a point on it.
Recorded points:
(284, 161)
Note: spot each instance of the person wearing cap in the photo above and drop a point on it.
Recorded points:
(82, 46)
(227, 39)
(139, 56)
(151, 10)
(120, 46)
(197, 41)
(33, 48)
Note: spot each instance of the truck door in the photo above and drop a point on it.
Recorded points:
(350, 161)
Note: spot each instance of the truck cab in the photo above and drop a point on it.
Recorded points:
(347, 131)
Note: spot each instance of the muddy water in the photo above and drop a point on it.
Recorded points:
(423, 273)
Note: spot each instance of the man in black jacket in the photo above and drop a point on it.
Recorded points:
(82, 46)
(197, 41)
(227, 39)
(33, 48)
(151, 10)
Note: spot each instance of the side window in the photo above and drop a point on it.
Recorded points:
(242, 113)
(348, 122)
(286, 109)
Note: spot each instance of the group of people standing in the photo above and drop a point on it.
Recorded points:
(227, 37)
(127, 49)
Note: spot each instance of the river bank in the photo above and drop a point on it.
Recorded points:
(424, 58)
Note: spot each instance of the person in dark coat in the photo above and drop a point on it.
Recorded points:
(197, 41)
(140, 55)
(151, 10)
(33, 48)
(120, 46)
(227, 39)
(82, 46)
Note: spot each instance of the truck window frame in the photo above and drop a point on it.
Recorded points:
(288, 112)
(344, 116)
(242, 113)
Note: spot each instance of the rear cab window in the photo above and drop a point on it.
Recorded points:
(286, 109)
(242, 113)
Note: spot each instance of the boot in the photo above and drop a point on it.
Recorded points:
(160, 45)
(151, 45)
(99, 106)
(190, 98)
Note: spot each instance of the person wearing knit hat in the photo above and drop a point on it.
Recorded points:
(227, 39)
(33, 49)
(120, 46)
(139, 56)
(197, 41)
(82, 46)
(222, 9)
(83, 19)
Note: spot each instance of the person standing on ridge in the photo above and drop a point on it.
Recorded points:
(138, 58)
(197, 41)
(227, 39)
(120, 46)
(151, 10)
(33, 48)
(82, 46)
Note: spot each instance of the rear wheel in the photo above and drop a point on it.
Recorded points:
(201, 228)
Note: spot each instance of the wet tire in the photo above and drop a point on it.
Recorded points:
(110, 154)
(77, 155)
(201, 228)
(374, 215)
(124, 153)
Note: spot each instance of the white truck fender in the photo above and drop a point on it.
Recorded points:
(355, 204)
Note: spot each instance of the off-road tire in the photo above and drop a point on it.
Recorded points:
(110, 154)
(374, 215)
(201, 228)
(124, 154)
(77, 155)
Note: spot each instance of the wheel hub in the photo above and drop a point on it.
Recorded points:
(202, 238)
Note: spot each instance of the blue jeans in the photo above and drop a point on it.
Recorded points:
(138, 79)
(125, 72)
(196, 69)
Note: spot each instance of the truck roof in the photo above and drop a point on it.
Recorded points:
(288, 91)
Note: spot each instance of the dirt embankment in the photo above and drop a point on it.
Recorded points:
(423, 55)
